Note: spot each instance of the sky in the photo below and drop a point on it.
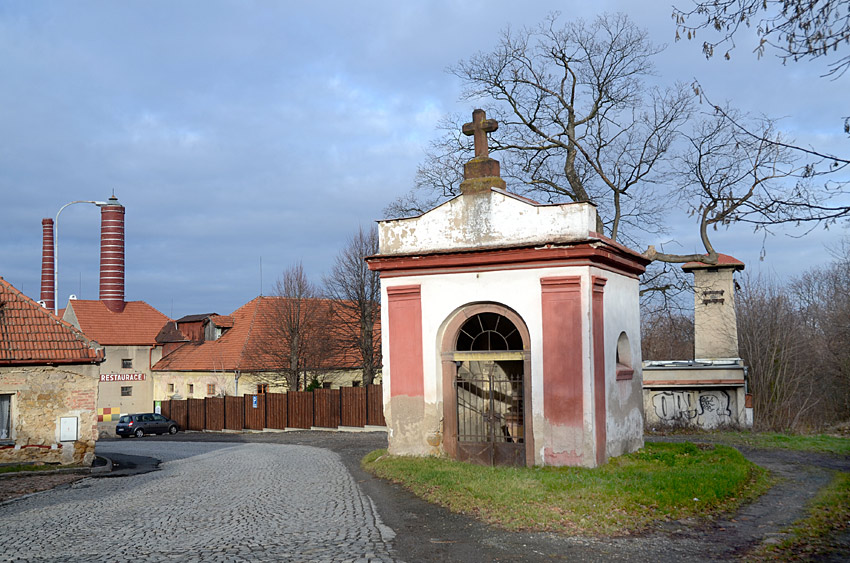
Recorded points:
(245, 136)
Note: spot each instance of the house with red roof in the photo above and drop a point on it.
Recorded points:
(48, 385)
(128, 337)
(213, 355)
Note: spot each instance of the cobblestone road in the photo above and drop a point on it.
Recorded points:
(209, 502)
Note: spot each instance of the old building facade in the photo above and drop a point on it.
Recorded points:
(511, 329)
(48, 385)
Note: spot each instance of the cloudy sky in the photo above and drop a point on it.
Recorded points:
(236, 132)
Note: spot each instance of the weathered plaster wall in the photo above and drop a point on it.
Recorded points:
(225, 383)
(109, 392)
(623, 398)
(519, 290)
(705, 408)
(487, 219)
(40, 397)
(715, 324)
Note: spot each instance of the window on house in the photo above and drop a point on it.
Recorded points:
(355, 384)
(5, 417)
(210, 389)
(190, 389)
(262, 388)
(127, 363)
(326, 385)
(171, 388)
(127, 391)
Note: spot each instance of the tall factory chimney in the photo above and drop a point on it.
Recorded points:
(48, 271)
(112, 255)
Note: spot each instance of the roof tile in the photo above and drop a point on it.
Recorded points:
(137, 325)
(254, 343)
(29, 333)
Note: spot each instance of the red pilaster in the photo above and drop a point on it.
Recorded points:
(112, 255)
(599, 407)
(48, 271)
(404, 309)
(562, 363)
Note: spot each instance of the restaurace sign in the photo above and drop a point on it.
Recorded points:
(122, 377)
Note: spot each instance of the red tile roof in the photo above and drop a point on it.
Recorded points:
(253, 344)
(137, 325)
(222, 321)
(31, 335)
(722, 260)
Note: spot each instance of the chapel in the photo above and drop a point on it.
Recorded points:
(511, 328)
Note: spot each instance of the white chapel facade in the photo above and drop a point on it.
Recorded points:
(511, 328)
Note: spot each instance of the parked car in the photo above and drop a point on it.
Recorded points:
(146, 423)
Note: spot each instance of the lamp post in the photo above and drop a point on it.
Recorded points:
(56, 250)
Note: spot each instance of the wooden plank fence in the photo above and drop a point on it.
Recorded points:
(322, 408)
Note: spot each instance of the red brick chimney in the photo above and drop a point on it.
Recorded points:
(48, 272)
(112, 255)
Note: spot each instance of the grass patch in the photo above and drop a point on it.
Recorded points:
(27, 467)
(812, 537)
(663, 481)
(797, 442)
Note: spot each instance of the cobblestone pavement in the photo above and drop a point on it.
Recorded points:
(208, 502)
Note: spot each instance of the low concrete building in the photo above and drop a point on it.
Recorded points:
(710, 391)
(511, 328)
(48, 385)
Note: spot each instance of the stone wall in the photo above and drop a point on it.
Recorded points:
(40, 396)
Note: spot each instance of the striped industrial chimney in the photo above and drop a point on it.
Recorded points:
(48, 272)
(112, 255)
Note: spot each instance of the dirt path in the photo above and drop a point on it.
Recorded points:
(801, 476)
(27, 484)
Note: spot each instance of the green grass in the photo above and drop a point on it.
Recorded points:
(662, 481)
(812, 537)
(25, 467)
(798, 442)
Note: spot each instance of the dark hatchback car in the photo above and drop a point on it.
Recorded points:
(148, 423)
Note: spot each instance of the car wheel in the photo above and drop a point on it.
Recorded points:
(140, 433)
(172, 429)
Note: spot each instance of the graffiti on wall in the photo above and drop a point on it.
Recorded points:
(705, 408)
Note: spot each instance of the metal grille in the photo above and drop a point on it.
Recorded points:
(489, 387)
(489, 401)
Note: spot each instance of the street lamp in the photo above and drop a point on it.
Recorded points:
(56, 250)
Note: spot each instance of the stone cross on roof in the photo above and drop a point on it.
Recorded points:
(479, 128)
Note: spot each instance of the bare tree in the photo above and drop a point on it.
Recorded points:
(297, 334)
(823, 299)
(667, 335)
(576, 120)
(775, 348)
(726, 176)
(356, 294)
(796, 29)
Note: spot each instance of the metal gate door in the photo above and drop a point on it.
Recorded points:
(490, 410)
(488, 390)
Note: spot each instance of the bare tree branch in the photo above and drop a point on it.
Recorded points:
(356, 292)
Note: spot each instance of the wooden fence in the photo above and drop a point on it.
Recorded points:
(322, 408)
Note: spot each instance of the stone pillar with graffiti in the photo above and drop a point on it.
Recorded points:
(710, 390)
